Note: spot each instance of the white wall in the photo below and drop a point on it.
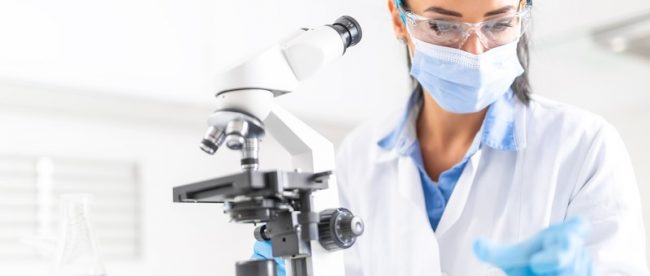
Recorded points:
(172, 49)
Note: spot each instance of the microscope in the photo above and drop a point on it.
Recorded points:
(282, 204)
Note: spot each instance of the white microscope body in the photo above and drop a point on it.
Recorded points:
(246, 110)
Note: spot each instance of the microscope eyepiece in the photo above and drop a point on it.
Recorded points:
(349, 30)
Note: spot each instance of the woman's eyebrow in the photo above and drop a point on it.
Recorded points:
(457, 14)
(443, 11)
(499, 11)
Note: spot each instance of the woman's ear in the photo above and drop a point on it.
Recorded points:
(522, 4)
(396, 19)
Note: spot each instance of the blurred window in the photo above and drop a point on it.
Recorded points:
(29, 191)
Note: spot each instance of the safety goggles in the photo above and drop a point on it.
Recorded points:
(493, 32)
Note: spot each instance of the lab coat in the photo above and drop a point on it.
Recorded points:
(570, 163)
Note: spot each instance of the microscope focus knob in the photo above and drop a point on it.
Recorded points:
(339, 228)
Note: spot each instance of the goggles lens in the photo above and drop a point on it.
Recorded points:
(492, 33)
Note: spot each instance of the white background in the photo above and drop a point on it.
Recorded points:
(132, 80)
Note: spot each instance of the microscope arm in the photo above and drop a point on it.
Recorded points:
(309, 152)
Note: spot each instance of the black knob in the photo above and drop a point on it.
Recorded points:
(338, 229)
(261, 233)
(352, 226)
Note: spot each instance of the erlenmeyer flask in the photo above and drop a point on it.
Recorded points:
(77, 253)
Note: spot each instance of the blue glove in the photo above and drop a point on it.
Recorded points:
(262, 251)
(557, 250)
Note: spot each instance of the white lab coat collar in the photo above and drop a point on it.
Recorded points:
(384, 129)
(520, 124)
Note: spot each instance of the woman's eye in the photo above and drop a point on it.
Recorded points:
(441, 27)
(500, 26)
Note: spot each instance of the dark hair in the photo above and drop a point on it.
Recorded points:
(521, 85)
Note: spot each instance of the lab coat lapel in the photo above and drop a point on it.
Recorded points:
(409, 183)
(459, 196)
(413, 222)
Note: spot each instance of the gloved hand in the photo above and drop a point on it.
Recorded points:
(557, 250)
(262, 251)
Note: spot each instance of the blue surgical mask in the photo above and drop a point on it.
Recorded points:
(461, 82)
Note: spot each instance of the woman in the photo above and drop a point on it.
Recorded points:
(475, 162)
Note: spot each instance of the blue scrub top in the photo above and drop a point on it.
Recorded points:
(497, 131)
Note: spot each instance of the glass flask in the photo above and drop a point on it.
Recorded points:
(77, 253)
